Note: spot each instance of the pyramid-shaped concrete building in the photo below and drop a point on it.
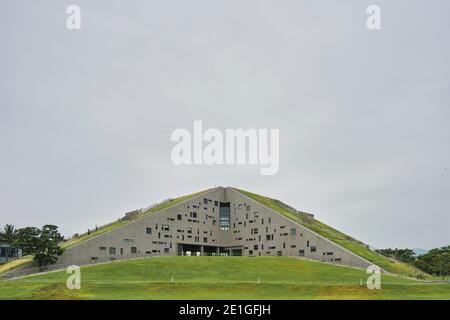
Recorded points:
(218, 221)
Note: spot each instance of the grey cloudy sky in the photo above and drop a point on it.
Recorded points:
(86, 116)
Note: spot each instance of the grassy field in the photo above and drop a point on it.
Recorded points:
(340, 238)
(219, 278)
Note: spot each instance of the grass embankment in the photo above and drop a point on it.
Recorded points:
(340, 238)
(219, 278)
(108, 227)
(15, 263)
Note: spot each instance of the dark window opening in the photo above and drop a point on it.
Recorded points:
(224, 216)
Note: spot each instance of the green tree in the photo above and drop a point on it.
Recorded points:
(8, 233)
(27, 239)
(435, 261)
(42, 243)
(405, 255)
(441, 264)
(424, 266)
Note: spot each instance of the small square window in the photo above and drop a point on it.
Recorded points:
(133, 250)
(148, 230)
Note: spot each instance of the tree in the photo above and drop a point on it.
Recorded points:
(405, 255)
(435, 261)
(424, 266)
(42, 243)
(8, 234)
(27, 239)
(441, 264)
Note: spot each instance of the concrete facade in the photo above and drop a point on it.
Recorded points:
(193, 227)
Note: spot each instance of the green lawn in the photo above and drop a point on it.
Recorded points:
(219, 278)
(340, 238)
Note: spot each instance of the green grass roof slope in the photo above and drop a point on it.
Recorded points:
(338, 237)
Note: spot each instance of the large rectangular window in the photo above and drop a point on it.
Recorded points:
(224, 216)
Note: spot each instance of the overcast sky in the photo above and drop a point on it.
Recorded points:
(364, 116)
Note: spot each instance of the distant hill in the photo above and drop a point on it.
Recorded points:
(419, 251)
